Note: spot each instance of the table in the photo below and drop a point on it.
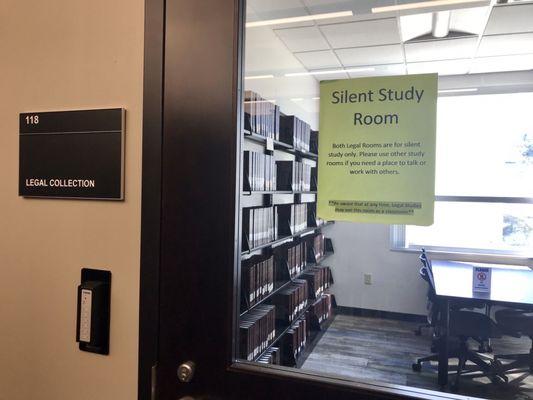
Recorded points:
(511, 285)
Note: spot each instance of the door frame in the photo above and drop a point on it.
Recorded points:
(191, 178)
(154, 34)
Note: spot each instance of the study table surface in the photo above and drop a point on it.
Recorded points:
(510, 285)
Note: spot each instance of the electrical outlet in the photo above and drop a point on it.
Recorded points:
(368, 279)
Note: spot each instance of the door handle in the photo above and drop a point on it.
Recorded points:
(186, 371)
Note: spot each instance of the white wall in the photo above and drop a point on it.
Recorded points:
(61, 55)
(364, 248)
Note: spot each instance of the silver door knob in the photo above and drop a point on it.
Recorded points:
(186, 371)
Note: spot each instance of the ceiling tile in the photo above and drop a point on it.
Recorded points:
(302, 39)
(470, 20)
(446, 67)
(338, 4)
(381, 70)
(388, 54)
(500, 64)
(363, 33)
(318, 59)
(499, 45)
(440, 49)
(266, 54)
(512, 18)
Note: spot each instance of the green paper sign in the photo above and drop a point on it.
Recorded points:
(377, 149)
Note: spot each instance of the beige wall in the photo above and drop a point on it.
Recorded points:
(56, 55)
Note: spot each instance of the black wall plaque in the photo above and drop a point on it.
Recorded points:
(72, 154)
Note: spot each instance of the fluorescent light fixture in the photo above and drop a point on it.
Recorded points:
(422, 4)
(315, 98)
(332, 71)
(303, 18)
(258, 77)
(458, 90)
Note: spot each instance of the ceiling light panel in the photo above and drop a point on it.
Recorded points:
(445, 49)
(302, 39)
(337, 71)
(318, 59)
(428, 5)
(388, 54)
(362, 33)
(513, 18)
(327, 77)
(254, 77)
(381, 70)
(359, 7)
(500, 45)
(299, 19)
(445, 67)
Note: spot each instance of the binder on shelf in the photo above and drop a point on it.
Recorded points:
(257, 279)
(293, 218)
(290, 302)
(314, 179)
(295, 132)
(313, 142)
(295, 341)
(261, 116)
(296, 258)
(318, 248)
(318, 279)
(257, 330)
(322, 308)
(259, 227)
(293, 175)
(259, 172)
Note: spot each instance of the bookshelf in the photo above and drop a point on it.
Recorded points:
(283, 247)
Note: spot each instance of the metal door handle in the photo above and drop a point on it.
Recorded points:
(186, 371)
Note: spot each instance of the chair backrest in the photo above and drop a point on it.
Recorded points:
(426, 273)
(427, 270)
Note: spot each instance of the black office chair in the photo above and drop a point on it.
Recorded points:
(458, 304)
(463, 325)
(516, 323)
(430, 317)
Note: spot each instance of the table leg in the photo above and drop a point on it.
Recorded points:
(443, 343)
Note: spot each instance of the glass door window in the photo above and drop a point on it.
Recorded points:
(361, 301)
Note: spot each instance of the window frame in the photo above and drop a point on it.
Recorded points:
(398, 237)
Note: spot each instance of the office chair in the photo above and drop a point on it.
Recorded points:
(429, 324)
(458, 304)
(516, 323)
(463, 325)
